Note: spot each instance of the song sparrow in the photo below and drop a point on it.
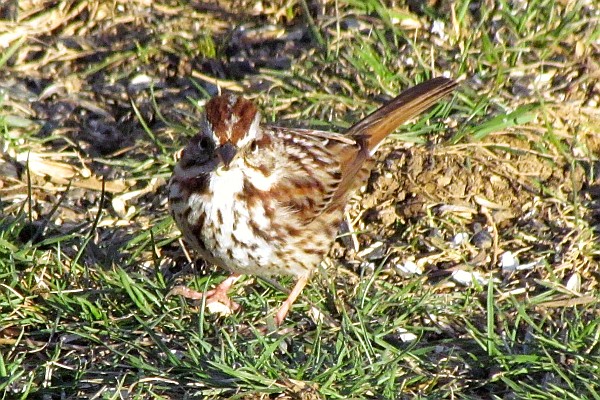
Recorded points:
(266, 200)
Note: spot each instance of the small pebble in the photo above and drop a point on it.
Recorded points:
(467, 278)
(409, 268)
(459, 239)
(438, 28)
(574, 283)
(508, 262)
(406, 336)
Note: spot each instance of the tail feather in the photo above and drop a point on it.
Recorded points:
(370, 131)
(376, 126)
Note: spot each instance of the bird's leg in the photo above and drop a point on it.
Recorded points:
(218, 294)
(285, 307)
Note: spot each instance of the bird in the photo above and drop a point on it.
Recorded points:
(266, 200)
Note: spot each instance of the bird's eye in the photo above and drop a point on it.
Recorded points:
(203, 143)
(254, 146)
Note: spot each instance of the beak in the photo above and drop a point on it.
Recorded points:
(226, 153)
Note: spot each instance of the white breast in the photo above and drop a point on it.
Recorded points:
(234, 243)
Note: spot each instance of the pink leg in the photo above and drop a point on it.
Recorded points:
(285, 307)
(218, 294)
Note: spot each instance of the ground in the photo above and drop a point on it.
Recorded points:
(468, 263)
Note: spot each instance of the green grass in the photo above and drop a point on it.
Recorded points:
(86, 266)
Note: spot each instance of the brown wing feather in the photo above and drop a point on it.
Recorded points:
(313, 171)
(324, 166)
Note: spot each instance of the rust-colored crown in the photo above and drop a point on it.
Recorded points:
(230, 117)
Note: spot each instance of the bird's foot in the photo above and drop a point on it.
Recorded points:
(216, 299)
